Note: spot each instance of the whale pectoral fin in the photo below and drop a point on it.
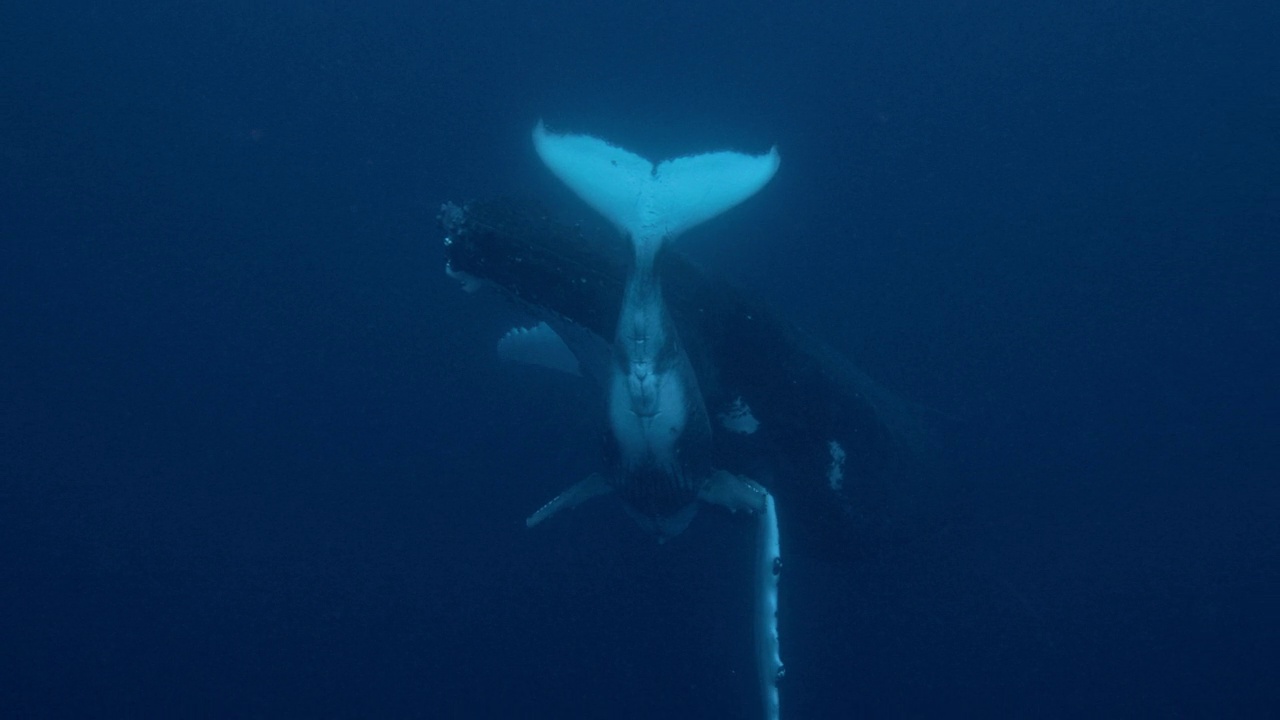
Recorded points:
(739, 493)
(769, 667)
(592, 486)
(538, 345)
(733, 492)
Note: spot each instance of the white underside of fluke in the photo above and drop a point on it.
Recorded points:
(648, 202)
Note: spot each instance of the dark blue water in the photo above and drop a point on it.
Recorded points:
(257, 459)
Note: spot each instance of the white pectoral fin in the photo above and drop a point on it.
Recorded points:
(538, 345)
(768, 571)
(649, 203)
(593, 485)
(739, 493)
(733, 493)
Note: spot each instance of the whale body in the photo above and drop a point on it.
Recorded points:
(658, 450)
(660, 432)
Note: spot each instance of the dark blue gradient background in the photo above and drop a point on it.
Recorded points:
(257, 459)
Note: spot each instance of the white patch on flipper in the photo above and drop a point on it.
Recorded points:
(538, 345)
(835, 471)
(738, 418)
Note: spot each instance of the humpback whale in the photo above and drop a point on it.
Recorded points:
(659, 444)
(660, 432)
(709, 396)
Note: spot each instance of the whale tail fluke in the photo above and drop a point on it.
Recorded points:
(651, 204)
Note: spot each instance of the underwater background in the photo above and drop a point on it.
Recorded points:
(257, 457)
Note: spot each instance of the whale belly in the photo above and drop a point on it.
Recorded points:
(647, 413)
